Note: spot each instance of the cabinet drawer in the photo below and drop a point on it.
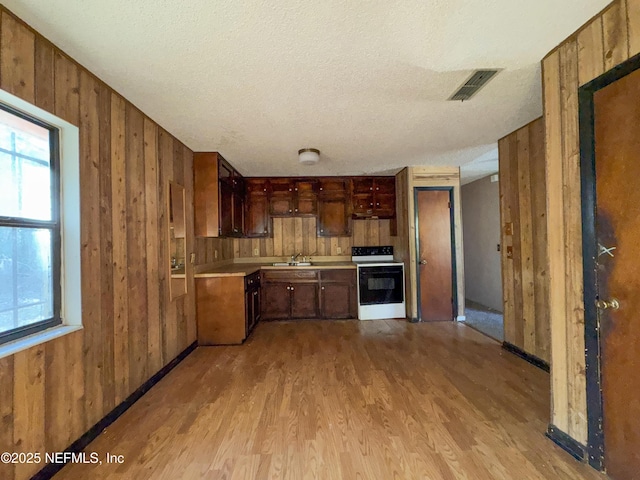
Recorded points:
(289, 275)
(342, 276)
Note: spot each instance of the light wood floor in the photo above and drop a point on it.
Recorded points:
(342, 400)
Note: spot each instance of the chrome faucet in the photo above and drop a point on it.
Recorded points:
(294, 257)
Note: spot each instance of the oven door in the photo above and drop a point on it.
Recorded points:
(380, 284)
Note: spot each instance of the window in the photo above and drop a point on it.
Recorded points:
(30, 246)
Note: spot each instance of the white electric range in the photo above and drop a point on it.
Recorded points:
(380, 283)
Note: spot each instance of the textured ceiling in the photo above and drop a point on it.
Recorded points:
(364, 82)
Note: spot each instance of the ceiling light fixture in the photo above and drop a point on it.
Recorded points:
(308, 156)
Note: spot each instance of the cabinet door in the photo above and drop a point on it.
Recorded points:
(332, 185)
(256, 221)
(238, 214)
(306, 205)
(276, 301)
(304, 300)
(386, 185)
(255, 296)
(362, 185)
(385, 205)
(248, 308)
(281, 205)
(362, 204)
(335, 300)
(333, 217)
(226, 209)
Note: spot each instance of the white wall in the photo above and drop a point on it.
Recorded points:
(481, 226)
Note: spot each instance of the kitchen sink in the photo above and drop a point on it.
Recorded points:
(292, 264)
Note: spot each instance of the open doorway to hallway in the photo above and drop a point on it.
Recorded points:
(483, 281)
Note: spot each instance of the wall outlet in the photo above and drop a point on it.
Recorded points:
(339, 250)
(215, 254)
(256, 252)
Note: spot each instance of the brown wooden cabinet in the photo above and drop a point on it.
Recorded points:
(252, 301)
(227, 308)
(373, 197)
(338, 294)
(293, 197)
(290, 294)
(333, 208)
(218, 197)
(256, 219)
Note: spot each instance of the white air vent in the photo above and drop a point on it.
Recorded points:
(476, 81)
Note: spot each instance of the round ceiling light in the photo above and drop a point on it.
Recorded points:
(308, 156)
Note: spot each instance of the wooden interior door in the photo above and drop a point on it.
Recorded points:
(435, 260)
(617, 158)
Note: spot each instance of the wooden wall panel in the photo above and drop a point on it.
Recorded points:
(53, 393)
(18, 59)
(578, 60)
(29, 373)
(523, 218)
(298, 235)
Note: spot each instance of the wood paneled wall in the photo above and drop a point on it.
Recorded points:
(607, 40)
(406, 181)
(53, 393)
(523, 212)
(298, 235)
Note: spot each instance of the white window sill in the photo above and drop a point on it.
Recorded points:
(24, 343)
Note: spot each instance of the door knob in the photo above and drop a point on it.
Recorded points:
(612, 304)
(423, 262)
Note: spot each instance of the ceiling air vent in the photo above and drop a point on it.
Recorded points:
(476, 81)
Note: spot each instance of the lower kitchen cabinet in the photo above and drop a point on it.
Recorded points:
(227, 308)
(290, 294)
(338, 294)
(276, 301)
(304, 300)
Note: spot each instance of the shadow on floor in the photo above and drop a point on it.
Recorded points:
(485, 320)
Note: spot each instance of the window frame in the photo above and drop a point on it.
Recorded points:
(53, 225)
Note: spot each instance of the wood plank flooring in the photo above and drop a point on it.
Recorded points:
(341, 400)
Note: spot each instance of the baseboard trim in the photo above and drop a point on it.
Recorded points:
(568, 444)
(532, 359)
(52, 468)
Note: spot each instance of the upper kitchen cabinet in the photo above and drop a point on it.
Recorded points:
(374, 197)
(293, 197)
(333, 208)
(256, 219)
(218, 197)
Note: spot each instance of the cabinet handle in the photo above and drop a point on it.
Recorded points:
(289, 189)
(321, 231)
(296, 209)
(377, 204)
(320, 188)
(291, 288)
(265, 189)
(371, 204)
(289, 210)
(377, 188)
(370, 188)
(255, 293)
(296, 189)
(322, 288)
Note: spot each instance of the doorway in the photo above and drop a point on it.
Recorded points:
(482, 256)
(437, 297)
(610, 147)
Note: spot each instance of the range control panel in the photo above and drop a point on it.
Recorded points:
(371, 251)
